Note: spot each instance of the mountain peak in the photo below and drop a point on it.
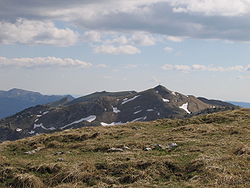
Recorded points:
(161, 88)
(17, 92)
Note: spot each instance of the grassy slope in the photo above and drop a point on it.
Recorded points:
(213, 151)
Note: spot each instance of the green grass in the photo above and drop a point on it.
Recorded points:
(213, 151)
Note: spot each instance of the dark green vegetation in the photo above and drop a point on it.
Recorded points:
(212, 151)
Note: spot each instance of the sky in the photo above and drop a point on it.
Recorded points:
(195, 47)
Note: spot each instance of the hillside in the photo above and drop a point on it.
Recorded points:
(203, 151)
(16, 100)
(106, 108)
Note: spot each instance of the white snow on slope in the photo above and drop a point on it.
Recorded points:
(111, 124)
(137, 112)
(126, 100)
(185, 107)
(150, 110)
(165, 100)
(44, 113)
(115, 110)
(18, 130)
(39, 126)
(88, 119)
(31, 132)
(52, 128)
(173, 93)
(139, 119)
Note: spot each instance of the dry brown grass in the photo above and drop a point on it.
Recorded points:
(213, 151)
(27, 181)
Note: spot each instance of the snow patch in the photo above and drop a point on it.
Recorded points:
(126, 100)
(36, 120)
(157, 92)
(88, 119)
(139, 119)
(44, 113)
(158, 113)
(111, 124)
(165, 100)
(185, 107)
(31, 132)
(52, 128)
(173, 93)
(39, 126)
(150, 110)
(18, 130)
(137, 112)
(115, 110)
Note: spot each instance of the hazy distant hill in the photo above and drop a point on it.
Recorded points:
(16, 100)
(106, 108)
(241, 104)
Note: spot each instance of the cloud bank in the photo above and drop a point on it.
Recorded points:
(198, 67)
(36, 32)
(174, 19)
(110, 49)
(42, 62)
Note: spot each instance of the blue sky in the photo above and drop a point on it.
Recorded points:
(78, 47)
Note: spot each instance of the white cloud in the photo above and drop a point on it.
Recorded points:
(176, 19)
(118, 40)
(121, 38)
(198, 67)
(36, 32)
(212, 7)
(101, 66)
(174, 38)
(168, 49)
(92, 36)
(43, 62)
(131, 66)
(110, 49)
(142, 38)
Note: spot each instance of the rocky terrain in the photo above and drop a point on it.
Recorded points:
(106, 109)
(16, 100)
(211, 150)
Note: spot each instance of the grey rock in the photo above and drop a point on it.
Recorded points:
(126, 148)
(115, 150)
(59, 153)
(172, 145)
(60, 159)
(159, 147)
(147, 149)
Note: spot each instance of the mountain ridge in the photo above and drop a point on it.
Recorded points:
(106, 109)
(16, 100)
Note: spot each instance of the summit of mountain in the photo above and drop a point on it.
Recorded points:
(106, 109)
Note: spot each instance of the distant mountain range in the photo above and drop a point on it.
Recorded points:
(106, 109)
(16, 100)
(241, 104)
